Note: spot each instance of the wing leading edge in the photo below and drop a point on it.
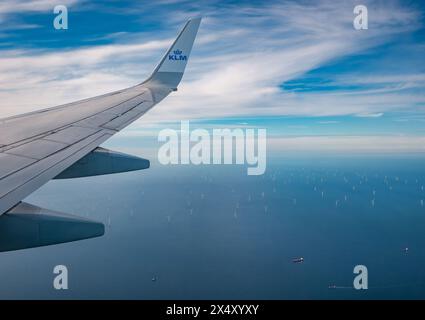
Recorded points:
(38, 146)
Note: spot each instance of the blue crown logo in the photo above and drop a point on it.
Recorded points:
(177, 55)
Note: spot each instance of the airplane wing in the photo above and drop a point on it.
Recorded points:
(62, 142)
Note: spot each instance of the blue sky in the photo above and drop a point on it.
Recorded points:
(298, 68)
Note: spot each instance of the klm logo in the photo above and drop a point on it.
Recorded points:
(177, 56)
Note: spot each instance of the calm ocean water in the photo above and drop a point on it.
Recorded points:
(212, 232)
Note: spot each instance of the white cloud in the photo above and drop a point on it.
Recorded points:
(370, 115)
(355, 144)
(241, 58)
(20, 6)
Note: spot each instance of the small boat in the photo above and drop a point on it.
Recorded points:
(298, 260)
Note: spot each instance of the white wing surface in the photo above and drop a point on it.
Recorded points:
(39, 146)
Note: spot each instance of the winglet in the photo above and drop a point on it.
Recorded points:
(170, 70)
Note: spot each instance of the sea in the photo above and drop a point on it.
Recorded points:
(214, 232)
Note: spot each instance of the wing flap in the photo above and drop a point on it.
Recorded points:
(71, 135)
(11, 163)
(126, 117)
(38, 149)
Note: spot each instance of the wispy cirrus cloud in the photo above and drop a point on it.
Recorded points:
(22, 6)
(244, 56)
